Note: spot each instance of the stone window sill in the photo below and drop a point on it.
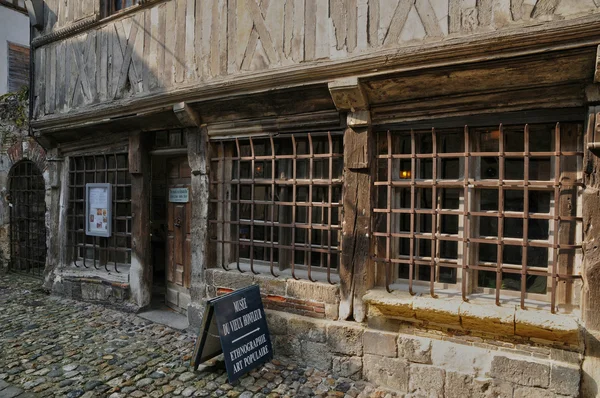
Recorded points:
(479, 316)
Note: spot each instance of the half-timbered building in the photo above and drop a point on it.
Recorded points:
(412, 183)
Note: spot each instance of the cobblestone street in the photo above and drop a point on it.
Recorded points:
(58, 347)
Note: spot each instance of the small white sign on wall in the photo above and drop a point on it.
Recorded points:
(179, 195)
(98, 209)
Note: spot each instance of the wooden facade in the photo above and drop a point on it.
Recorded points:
(193, 82)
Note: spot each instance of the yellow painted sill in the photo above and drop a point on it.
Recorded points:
(474, 316)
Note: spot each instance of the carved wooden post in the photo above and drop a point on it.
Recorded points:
(140, 274)
(591, 256)
(197, 138)
(356, 268)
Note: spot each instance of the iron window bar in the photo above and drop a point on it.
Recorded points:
(295, 165)
(27, 219)
(99, 251)
(469, 183)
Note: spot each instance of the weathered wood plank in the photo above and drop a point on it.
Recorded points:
(50, 78)
(429, 19)
(352, 25)
(170, 40)
(146, 59)
(399, 19)
(60, 80)
(190, 41)
(310, 29)
(322, 30)
(374, 23)
(162, 29)
(102, 69)
(222, 37)
(355, 265)
(198, 31)
(180, 39)
(40, 80)
(298, 31)
(90, 64)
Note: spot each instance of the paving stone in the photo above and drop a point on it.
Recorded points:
(81, 350)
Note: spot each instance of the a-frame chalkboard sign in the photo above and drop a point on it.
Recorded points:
(235, 325)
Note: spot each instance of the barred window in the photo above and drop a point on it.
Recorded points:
(276, 203)
(92, 251)
(492, 210)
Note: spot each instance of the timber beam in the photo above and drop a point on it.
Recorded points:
(186, 115)
(356, 267)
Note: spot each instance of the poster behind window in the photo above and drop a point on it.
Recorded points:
(98, 206)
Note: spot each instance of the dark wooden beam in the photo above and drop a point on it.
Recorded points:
(356, 268)
(140, 274)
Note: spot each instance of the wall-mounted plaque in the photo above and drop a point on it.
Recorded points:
(179, 195)
(98, 209)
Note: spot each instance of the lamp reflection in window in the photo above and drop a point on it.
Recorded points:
(405, 174)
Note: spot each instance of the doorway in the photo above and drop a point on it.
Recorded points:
(171, 227)
(27, 219)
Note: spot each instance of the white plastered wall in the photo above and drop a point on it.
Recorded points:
(14, 28)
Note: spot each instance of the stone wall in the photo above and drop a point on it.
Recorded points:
(424, 363)
(412, 355)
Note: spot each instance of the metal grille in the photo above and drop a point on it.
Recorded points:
(93, 251)
(276, 202)
(488, 210)
(27, 219)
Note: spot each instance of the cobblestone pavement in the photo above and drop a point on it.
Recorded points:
(57, 347)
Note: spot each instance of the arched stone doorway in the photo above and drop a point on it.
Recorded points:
(27, 219)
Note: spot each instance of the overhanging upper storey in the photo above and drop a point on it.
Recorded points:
(156, 53)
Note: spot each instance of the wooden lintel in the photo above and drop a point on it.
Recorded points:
(348, 95)
(186, 115)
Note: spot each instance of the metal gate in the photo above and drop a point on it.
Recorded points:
(27, 219)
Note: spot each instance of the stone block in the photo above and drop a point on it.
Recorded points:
(543, 325)
(332, 311)
(565, 380)
(231, 279)
(387, 372)
(271, 285)
(488, 318)
(490, 388)
(531, 392)
(415, 349)
(398, 305)
(458, 385)
(521, 372)
(426, 380)
(277, 322)
(345, 338)
(306, 329)
(93, 292)
(441, 312)
(380, 343)
(315, 291)
(317, 355)
(571, 357)
(451, 355)
(350, 367)
(286, 346)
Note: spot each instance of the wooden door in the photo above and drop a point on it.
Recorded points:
(179, 211)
